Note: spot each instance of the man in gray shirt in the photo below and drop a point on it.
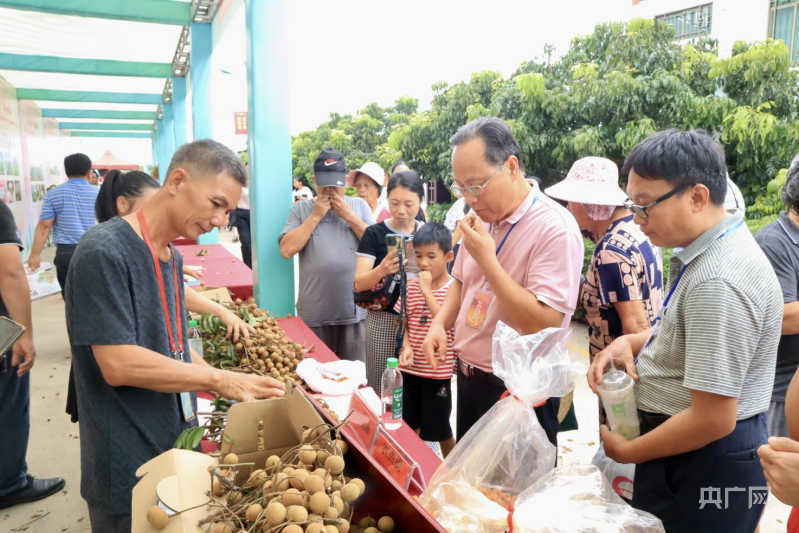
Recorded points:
(780, 242)
(704, 375)
(326, 232)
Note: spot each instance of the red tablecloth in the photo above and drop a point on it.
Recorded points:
(220, 268)
(297, 331)
(183, 241)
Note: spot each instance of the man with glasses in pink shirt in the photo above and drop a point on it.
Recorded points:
(520, 263)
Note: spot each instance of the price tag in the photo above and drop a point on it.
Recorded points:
(363, 421)
(393, 459)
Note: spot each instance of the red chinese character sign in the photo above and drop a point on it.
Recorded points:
(395, 461)
(363, 421)
(241, 122)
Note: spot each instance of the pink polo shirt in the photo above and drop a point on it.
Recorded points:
(544, 254)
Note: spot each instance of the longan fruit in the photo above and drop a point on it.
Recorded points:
(253, 511)
(257, 477)
(331, 529)
(334, 464)
(306, 435)
(361, 485)
(275, 514)
(314, 484)
(314, 516)
(292, 528)
(307, 455)
(157, 517)
(292, 497)
(230, 459)
(220, 489)
(281, 482)
(315, 527)
(336, 485)
(338, 503)
(350, 492)
(234, 497)
(317, 432)
(320, 503)
(385, 524)
(272, 460)
(343, 446)
(297, 513)
(343, 526)
(330, 514)
(288, 471)
(298, 478)
(367, 521)
(321, 456)
(322, 473)
(371, 530)
(223, 527)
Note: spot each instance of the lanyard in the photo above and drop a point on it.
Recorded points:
(512, 227)
(145, 230)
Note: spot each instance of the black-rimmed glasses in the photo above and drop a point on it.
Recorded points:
(643, 210)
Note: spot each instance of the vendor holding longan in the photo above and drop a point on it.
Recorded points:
(527, 276)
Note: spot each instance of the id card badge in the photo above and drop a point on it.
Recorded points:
(186, 406)
(477, 311)
(648, 340)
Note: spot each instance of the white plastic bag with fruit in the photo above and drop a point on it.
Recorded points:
(577, 499)
(507, 450)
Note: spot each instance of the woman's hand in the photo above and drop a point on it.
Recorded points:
(390, 263)
(235, 326)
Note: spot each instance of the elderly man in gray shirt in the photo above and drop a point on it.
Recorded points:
(326, 232)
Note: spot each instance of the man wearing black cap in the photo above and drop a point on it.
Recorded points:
(326, 232)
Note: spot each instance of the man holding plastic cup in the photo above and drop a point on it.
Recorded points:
(520, 263)
(704, 376)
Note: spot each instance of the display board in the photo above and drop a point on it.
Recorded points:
(13, 189)
(54, 152)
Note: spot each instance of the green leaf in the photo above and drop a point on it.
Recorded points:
(227, 437)
(196, 436)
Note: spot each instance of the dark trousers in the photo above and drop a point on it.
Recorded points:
(346, 341)
(109, 523)
(477, 395)
(15, 401)
(243, 225)
(725, 475)
(63, 257)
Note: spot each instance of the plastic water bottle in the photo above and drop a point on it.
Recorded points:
(392, 395)
(195, 338)
(618, 397)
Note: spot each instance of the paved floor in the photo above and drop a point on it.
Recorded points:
(54, 441)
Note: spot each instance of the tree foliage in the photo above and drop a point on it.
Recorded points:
(609, 91)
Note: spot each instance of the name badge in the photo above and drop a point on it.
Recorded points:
(479, 307)
(186, 406)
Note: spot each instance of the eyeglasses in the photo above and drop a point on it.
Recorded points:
(476, 190)
(643, 210)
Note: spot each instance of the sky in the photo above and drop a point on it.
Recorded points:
(346, 54)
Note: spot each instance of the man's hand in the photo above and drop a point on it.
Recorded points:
(406, 355)
(476, 239)
(425, 282)
(621, 352)
(340, 207)
(34, 262)
(435, 344)
(321, 206)
(248, 387)
(390, 263)
(23, 354)
(236, 326)
(191, 272)
(780, 461)
(617, 447)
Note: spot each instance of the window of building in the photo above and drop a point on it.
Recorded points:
(783, 25)
(690, 23)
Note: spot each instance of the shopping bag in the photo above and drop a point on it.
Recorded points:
(507, 450)
(620, 475)
(578, 499)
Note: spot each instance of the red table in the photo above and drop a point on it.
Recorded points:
(428, 461)
(220, 268)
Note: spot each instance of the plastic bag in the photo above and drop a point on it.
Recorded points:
(578, 498)
(620, 475)
(337, 378)
(507, 450)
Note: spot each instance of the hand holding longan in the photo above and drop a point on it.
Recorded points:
(249, 387)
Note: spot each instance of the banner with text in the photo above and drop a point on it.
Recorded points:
(12, 184)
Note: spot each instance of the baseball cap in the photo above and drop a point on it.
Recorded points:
(329, 169)
(373, 170)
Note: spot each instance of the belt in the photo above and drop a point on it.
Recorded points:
(650, 421)
(66, 245)
(472, 372)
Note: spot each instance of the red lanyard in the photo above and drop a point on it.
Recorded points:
(145, 231)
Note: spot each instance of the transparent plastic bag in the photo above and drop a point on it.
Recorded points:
(507, 450)
(575, 499)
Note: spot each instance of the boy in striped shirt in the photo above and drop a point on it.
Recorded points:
(427, 395)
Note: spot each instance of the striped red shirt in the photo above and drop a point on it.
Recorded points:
(419, 320)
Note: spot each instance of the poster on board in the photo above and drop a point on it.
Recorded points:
(55, 152)
(13, 190)
(34, 156)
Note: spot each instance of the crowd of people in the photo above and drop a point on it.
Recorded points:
(713, 349)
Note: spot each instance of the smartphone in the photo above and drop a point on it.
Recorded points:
(394, 241)
(10, 331)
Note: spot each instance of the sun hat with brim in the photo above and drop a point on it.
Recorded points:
(591, 180)
(373, 170)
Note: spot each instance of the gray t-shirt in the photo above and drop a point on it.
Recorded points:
(327, 265)
(780, 242)
(112, 298)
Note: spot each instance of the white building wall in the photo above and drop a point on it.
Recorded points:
(733, 20)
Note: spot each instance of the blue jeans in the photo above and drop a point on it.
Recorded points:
(15, 402)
